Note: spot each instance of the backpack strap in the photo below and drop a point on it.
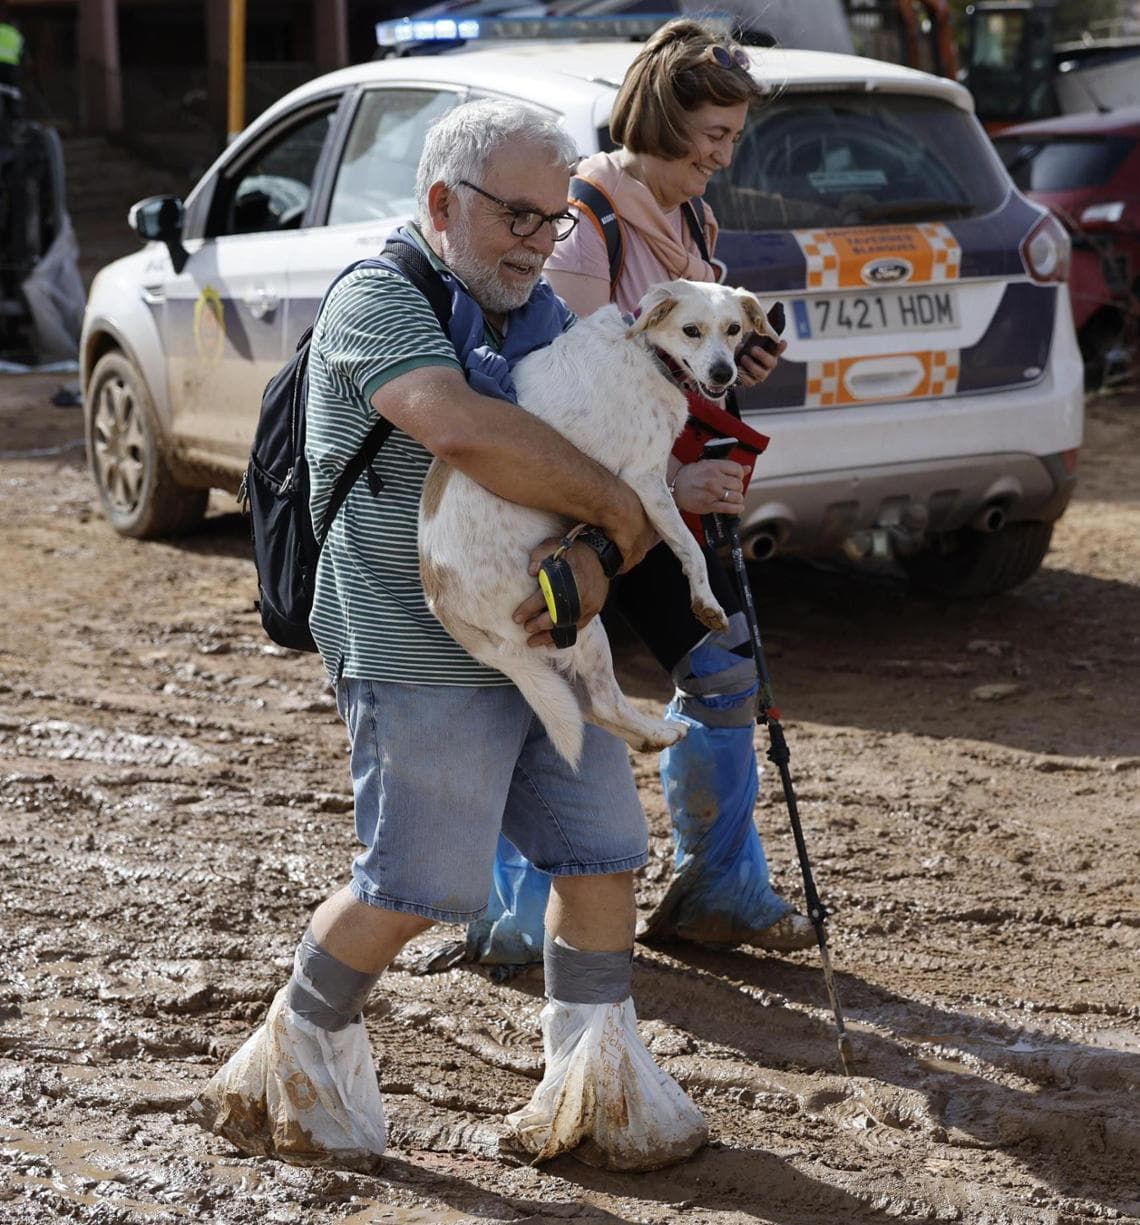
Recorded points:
(407, 259)
(415, 266)
(592, 202)
(694, 213)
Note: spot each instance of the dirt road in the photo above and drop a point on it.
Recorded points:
(173, 802)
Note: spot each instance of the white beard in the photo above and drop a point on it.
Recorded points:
(484, 281)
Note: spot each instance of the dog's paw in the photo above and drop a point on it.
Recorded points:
(711, 615)
(661, 737)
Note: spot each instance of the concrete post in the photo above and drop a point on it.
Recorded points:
(330, 34)
(100, 82)
(217, 63)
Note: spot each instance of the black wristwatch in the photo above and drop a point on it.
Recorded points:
(608, 552)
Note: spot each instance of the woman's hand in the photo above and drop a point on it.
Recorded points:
(710, 486)
(755, 364)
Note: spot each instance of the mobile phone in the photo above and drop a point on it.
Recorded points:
(776, 321)
(718, 448)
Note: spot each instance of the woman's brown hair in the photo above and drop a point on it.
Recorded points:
(673, 74)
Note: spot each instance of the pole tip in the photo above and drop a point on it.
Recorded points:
(846, 1055)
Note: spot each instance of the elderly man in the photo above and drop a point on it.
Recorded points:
(491, 192)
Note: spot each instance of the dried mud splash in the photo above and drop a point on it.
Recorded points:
(174, 803)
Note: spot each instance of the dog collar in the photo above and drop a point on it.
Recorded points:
(668, 366)
(675, 371)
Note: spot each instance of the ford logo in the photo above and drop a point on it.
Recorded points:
(887, 271)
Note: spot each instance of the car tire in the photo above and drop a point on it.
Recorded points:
(967, 564)
(137, 490)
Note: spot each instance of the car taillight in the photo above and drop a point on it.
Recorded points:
(1046, 251)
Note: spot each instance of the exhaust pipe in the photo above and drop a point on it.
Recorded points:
(766, 540)
(989, 519)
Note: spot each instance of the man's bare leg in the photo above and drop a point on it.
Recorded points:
(365, 938)
(593, 912)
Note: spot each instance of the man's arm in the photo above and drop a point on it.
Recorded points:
(513, 454)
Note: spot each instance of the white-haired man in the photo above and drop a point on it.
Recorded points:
(445, 753)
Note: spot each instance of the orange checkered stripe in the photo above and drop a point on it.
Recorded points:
(828, 384)
(836, 258)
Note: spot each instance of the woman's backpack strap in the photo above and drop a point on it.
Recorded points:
(593, 203)
(694, 213)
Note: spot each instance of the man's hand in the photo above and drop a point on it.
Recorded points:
(755, 364)
(593, 587)
(630, 530)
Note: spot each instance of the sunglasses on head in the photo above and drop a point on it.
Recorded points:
(727, 57)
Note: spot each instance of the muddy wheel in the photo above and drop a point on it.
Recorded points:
(139, 495)
(965, 564)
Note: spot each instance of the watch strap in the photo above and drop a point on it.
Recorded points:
(608, 552)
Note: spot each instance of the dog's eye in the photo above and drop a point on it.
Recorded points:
(734, 329)
(692, 331)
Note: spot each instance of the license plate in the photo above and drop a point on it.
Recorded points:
(904, 310)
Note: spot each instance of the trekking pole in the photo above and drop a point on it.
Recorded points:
(724, 530)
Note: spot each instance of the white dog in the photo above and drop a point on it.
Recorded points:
(601, 385)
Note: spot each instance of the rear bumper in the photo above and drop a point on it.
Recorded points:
(924, 464)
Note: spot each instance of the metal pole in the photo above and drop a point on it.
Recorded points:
(235, 111)
(723, 530)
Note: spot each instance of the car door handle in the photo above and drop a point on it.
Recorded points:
(261, 303)
(154, 295)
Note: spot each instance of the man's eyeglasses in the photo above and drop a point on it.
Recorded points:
(726, 57)
(526, 222)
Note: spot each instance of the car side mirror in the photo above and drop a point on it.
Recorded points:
(159, 219)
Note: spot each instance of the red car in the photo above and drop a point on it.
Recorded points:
(1086, 168)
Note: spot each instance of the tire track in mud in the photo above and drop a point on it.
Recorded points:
(174, 800)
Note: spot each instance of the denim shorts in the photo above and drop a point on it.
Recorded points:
(439, 770)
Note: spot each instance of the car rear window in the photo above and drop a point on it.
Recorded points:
(1053, 163)
(845, 159)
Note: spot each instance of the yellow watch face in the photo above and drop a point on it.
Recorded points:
(548, 596)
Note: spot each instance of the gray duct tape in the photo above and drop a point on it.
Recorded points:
(580, 976)
(323, 990)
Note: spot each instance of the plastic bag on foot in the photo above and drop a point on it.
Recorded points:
(303, 1094)
(603, 1096)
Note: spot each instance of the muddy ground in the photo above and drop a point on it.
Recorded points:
(173, 803)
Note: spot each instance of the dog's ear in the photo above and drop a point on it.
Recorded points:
(656, 305)
(754, 312)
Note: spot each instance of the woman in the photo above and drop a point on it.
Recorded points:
(676, 120)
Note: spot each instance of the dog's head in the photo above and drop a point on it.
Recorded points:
(700, 326)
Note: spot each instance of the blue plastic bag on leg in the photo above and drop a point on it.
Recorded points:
(512, 930)
(720, 892)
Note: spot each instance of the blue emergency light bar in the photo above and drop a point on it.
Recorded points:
(407, 30)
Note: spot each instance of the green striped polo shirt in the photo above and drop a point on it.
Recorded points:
(369, 616)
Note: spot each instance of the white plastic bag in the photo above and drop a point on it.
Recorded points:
(603, 1096)
(298, 1092)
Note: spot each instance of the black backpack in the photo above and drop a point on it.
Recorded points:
(276, 482)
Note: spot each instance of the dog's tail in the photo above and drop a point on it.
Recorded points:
(551, 698)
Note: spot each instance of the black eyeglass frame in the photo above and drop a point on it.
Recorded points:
(727, 57)
(561, 224)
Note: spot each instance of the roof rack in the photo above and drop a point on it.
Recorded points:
(405, 32)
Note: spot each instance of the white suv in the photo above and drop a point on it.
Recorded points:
(929, 403)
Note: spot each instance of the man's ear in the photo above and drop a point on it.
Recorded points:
(441, 205)
(656, 304)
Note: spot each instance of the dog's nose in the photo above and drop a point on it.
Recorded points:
(721, 373)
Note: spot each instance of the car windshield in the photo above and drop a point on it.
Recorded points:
(1054, 163)
(856, 159)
